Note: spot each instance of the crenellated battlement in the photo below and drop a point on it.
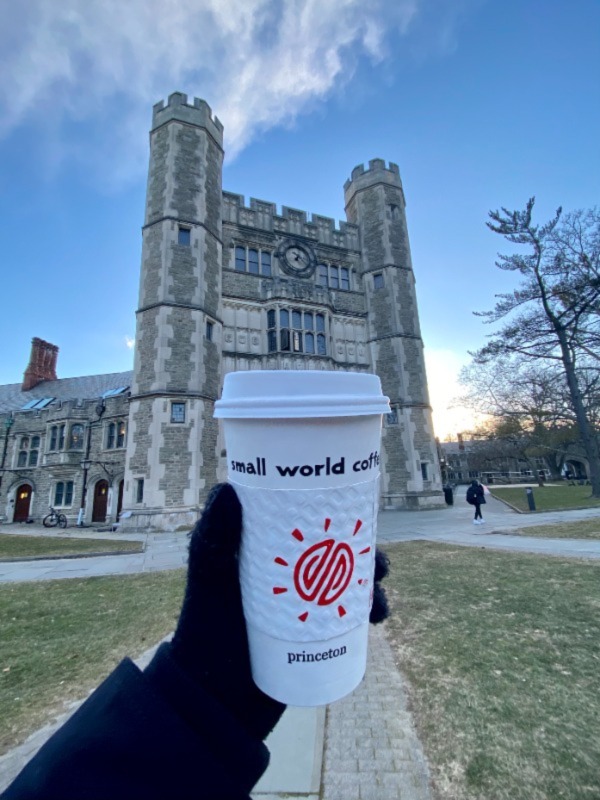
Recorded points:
(178, 108)
(263, 215)
(376, 172)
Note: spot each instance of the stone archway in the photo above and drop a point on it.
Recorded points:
(577, 469)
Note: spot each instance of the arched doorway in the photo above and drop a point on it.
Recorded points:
(576, 469)
(100, 501)
(120, 499)
(23, 503)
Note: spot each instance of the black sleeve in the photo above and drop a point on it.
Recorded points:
(151, 735)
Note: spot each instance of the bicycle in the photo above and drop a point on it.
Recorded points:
(53, 519)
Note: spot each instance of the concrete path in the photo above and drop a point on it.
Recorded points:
(161, 551)
(454, 525)
(364, 746)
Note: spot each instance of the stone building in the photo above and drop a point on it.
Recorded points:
(227, 286)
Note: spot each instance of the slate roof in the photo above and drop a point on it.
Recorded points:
(88, 387)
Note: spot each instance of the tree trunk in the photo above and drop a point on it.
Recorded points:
(588, 435)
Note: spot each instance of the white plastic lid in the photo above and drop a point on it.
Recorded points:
(283, 394)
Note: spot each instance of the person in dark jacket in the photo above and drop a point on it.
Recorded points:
(476, 497)
(192, 724)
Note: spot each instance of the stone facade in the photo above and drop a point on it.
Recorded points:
(56, 455)
(217, 294)
(226, 286)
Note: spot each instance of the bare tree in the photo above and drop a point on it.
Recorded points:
(554, 314)
(528, 409)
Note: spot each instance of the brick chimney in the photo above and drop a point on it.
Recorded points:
(42, 364)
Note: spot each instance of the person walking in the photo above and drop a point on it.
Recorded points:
(476, 497)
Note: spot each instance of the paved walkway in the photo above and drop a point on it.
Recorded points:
(364, 746)
(161, 551)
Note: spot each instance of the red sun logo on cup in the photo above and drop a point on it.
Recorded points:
(324, 571)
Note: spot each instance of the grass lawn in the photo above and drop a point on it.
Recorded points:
(61, 638)
(502, 655)
(548, 498)
(22, 546)
(582, 529)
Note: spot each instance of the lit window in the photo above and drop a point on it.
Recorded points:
(76, 437)
(115, 434)
(378, 280)
(177, 412)
(184, 236)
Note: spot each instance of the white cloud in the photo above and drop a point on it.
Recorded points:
(129, 342)
(259, 63)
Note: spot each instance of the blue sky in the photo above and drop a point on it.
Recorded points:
(482, 104)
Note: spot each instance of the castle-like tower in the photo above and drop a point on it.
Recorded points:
(375, 202)
(225, 287)
(172, 438)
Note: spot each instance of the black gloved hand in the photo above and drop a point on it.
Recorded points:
(210, 641)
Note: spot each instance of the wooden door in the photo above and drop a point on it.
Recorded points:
(120, 499)
(100, 501)
(22, 503)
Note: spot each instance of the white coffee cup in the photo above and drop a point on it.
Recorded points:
(303, 452)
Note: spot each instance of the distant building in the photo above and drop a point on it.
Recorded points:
(465, 460)
(224, 287)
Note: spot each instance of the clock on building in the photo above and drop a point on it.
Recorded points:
(296, 258)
